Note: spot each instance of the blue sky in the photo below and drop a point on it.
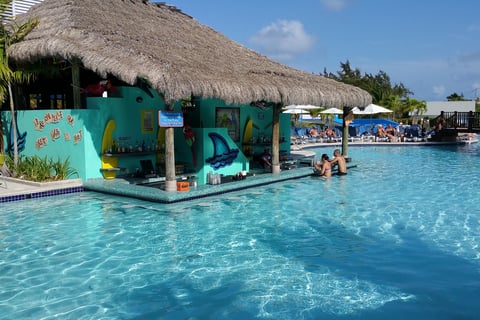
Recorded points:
(431, 46)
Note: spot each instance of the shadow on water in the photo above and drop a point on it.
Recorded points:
(177, 299)
(444, 286)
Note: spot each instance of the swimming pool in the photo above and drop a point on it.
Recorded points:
(397, 238)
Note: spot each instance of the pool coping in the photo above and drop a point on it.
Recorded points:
(122, 187)
(13, 189)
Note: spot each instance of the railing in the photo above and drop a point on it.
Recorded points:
(460, 121)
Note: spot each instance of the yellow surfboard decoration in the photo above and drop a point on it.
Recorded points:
(247, 136)
(109, 163)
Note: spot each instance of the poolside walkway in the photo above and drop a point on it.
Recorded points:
(15, 189)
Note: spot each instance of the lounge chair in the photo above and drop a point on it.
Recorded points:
(338, 135)
(354, 135)
(413, 133)
(299, 136)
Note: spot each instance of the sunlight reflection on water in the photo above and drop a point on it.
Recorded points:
(403, 223)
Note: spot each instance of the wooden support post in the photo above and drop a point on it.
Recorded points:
(276, 138)
(77, 101)
(347, 119)
(170, 174)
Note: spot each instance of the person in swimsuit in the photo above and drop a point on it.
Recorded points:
(391, 133)
(330, 133)
(325, 168)
(381, 132)
(339, 160)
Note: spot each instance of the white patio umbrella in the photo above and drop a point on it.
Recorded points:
(357, 110)
(298, 109)
(374, 109)
(301, 106)
(295, 111)
(371, 109)
(332, 111)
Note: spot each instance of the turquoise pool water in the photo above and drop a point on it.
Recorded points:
(398, 238)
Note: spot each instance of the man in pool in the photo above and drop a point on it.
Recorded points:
(266, 159)
(339, 160)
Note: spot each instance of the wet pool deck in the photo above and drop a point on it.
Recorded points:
(124, 188)
(15, 189)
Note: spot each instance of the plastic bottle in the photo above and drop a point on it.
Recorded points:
(209, 178)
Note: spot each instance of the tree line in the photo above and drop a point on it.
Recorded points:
(395, 97)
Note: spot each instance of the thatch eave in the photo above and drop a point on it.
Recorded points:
(176, 55)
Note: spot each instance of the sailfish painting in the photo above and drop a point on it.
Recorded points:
(222, 154)
(21, 137)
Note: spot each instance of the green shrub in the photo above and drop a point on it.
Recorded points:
(62, 170)
(35, 168)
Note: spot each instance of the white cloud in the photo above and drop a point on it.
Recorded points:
(335, 5)
(283, 40)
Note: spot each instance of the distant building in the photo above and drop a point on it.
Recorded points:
(16, 7)
(434, 108)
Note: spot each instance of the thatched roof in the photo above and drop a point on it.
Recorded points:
(174, 53)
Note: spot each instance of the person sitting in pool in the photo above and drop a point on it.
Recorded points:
(266, 159)
(324, 168)
(339, 160)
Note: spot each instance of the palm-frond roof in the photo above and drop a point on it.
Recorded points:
(173, 52)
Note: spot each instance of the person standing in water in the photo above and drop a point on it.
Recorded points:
(339, 160)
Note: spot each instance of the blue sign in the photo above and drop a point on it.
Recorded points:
(170, 119)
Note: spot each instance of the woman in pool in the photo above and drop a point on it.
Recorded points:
(324, 169)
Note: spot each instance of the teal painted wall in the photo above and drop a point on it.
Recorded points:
(127, 112)
(262, 120)
(55, 134)
(78, 133)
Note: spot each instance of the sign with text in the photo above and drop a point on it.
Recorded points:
(170, 119)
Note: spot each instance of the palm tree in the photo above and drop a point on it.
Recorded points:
(418, 107)
(9, 34)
